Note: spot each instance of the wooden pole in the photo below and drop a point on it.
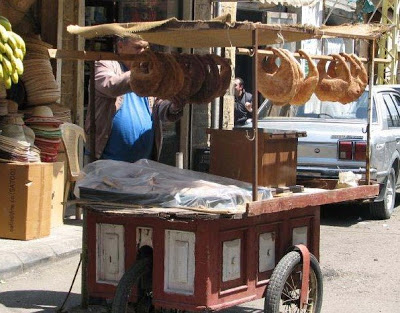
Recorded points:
(255, 114)
(92, 114)
(371, 84)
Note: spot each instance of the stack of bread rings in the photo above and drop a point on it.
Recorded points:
(180, 77)
(287, 84)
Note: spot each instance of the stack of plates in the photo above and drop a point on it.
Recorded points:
(47, 132)
(3, 107)
(60, 112)
(3, 91)
(13, 150)
(12, 124)
(36, 48)
(40, 84)
(38, 78)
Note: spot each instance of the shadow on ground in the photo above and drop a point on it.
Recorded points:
(40, 300)
(345, 215)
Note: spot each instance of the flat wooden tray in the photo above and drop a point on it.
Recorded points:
(285, 202)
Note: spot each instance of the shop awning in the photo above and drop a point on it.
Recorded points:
(221, 32)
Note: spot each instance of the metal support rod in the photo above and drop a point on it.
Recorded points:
(255, 114)
(330, 12)
(221, 103)
(179, 160)
(245, 51)
(371, 83)
(216, 103)
(84, 257)
(373, 13)
(92, 108)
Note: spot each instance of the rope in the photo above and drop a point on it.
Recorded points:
(281, 39)
(60, 310)
(229, 37)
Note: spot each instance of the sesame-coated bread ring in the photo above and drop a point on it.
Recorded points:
(146, 73)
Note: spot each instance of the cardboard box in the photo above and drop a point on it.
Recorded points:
(25, 206)
(57, 195)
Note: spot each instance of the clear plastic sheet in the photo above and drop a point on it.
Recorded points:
(151, 183)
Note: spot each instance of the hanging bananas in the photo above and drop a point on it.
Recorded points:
(12, 52)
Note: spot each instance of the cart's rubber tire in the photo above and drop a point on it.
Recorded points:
(383, 209)
(140, 269)
(291, 263)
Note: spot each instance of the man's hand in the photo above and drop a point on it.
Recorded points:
(176, 106)
(248, 106)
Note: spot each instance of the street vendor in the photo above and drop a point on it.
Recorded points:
(243, 103)
(128, 127)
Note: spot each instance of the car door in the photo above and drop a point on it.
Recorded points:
(396, 100)
(391, 115)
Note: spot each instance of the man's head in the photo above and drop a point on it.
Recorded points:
(131, 45)
(238, 86)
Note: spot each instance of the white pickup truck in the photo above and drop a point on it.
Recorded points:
(337, 139)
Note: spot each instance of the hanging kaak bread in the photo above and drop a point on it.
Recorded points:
(197, 72)
(173, 79)
(281, 85)
(269, 66)
(211, 83)
(225, 74)
(298, 73)
(362, 73)
(356, 85)
(183, 61)
(147, 73)
(308, 84)
(269, 63)
(332, 88)
(356, 88)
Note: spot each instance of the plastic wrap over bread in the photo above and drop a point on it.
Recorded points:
(151, 183)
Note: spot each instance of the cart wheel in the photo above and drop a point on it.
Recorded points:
(139, 274)
(283, 291)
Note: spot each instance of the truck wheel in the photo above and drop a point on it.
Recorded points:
(141, 270)
(383, 209)
(283, 291)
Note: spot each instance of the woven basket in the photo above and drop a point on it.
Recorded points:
(15, 10)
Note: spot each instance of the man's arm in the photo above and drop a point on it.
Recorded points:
(109, 82)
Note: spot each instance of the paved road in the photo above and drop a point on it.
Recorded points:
(359, 259)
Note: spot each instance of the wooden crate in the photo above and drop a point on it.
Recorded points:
(231, 155)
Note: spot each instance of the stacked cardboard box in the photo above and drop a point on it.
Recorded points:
(26, 194)
(57, 195)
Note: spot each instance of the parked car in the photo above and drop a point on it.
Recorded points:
(336, 139)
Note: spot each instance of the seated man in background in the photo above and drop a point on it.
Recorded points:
(128, 128)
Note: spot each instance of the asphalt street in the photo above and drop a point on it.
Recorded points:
(359, 260)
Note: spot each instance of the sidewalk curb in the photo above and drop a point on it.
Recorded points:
(16, 257)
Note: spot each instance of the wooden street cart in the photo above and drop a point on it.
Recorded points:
(185, 259)
(200, 262)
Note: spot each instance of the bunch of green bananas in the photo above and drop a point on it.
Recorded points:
(12, 52)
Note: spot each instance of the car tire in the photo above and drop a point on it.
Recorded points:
(383, 209)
